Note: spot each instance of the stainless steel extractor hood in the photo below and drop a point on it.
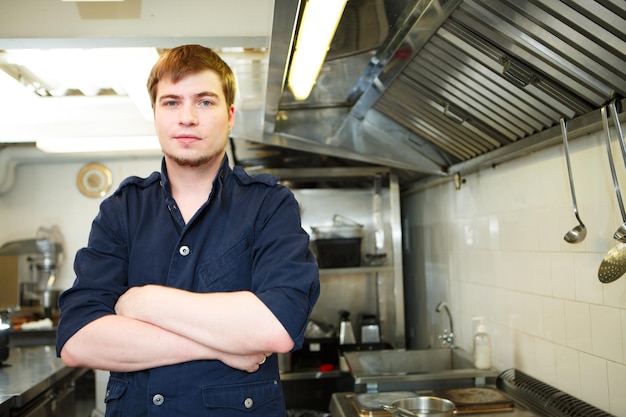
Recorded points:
(445, 86)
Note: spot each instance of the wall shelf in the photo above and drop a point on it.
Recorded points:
(369, 196)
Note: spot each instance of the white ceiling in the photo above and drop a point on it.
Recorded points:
(243, 39)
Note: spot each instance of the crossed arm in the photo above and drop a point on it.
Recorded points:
(158, 326)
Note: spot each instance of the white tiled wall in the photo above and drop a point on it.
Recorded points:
(495, 248)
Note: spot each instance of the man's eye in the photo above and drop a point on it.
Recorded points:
(169, 103)
(206, 103)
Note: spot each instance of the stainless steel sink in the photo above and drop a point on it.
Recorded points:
(389, 370)
(402, 362)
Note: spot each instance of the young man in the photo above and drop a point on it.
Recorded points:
(194, 277)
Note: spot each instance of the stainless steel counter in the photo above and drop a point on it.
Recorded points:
(28, 373)
(21, 338)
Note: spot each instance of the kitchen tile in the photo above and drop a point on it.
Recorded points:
(567, 370)
(527, 237)
(545, 361)
(520, 271)
(494, 232)
(481, 232)
(588, 287)
(617, 382)
(479, 268)
(510, 226)
(499, 334)
(525, 353)
(578, 326)
(615, 293)
(540, 276)
(500, 304)
(505, 346)
(454, 235)
(495, 191)
(502, 261)
(487, 269)
(606, 334)
(469, 234)
(482, 309)
(554, 320)
(533, 315)
(515, 310)
(549, 229)
(600, 227)
(623, 318)
(554, 183)
(466, 203)
(594, 380)
(563, 275)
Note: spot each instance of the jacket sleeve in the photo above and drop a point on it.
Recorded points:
(283, 264)
(101, 273)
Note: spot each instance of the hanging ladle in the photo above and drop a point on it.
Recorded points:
(613, 265)
(577, 233)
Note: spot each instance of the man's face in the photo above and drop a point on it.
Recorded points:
(192, 119)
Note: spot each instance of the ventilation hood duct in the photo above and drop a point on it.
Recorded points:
(446, 86)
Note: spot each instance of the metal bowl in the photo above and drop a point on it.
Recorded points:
(423, 406)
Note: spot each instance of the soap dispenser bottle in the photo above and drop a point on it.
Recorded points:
(482, 347)
(346, 333)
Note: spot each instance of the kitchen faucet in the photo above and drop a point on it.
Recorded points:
(446, 338)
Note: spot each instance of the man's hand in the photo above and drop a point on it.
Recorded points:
(248, 363)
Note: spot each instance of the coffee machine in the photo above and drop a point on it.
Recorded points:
(28, 270)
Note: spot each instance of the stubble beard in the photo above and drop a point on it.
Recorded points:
(189, 162)
(195, 160)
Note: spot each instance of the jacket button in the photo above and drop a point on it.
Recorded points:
(184, 250)
(158, 399)
(248, 403)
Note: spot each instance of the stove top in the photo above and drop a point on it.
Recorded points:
(368, 405)
(515, 394)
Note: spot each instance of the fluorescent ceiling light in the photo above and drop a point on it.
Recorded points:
(319, 23)
(12, 88)
(99, 144)
(90, 72)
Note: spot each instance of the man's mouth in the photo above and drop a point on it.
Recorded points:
(186, 138)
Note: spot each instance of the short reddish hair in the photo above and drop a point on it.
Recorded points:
(178, 62)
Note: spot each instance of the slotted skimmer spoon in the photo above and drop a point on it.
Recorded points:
(620, 233)
(613, 265)
(618, 193)
(577, 233)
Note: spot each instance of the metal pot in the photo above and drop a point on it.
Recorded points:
(423, 406)
(338, 245)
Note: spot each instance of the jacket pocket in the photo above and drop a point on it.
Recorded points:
(113, 398)
(229, 272)
(263, 398)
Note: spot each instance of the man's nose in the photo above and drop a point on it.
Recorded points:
(188, 115)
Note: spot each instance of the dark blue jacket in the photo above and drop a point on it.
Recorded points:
(247, 236)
